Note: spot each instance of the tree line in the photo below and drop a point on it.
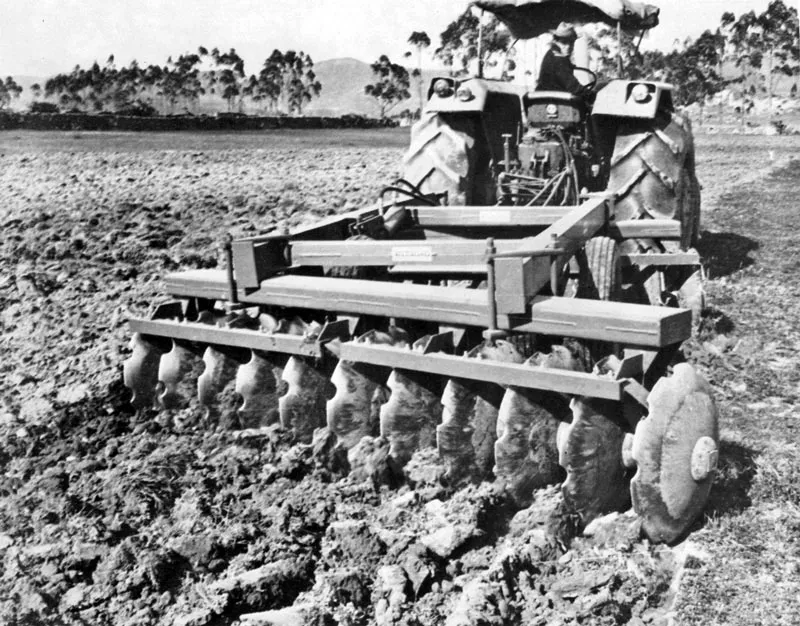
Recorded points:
(285, 83)
(762, 47)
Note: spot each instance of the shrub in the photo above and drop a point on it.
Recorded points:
(43, 107)
(138, 109)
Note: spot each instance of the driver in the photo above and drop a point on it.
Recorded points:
(556, 72)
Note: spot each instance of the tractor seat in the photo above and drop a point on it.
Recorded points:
(545, 108)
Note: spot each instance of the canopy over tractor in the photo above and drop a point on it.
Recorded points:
(526, 19)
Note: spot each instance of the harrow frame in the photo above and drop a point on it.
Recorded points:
(274, 271)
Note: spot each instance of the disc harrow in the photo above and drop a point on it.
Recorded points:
(477, 368)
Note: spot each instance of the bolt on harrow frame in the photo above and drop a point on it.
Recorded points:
(311, 350)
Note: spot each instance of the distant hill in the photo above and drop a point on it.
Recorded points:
(343, 82)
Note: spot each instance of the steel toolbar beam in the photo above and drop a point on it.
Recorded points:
(471, 216)
(631, 324)
(233, 337)
(507, 374)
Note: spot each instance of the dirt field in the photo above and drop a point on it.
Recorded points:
(109, 517)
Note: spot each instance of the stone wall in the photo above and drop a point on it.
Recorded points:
(81, 121)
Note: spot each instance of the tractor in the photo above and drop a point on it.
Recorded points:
(517, 300)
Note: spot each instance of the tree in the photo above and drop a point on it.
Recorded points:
(606, 46)
(127, 87)
(420, 41)
(390, 86)
(268, 84)
(68, 89)
(743, 43)
(250, 89)
(286, 82)
(97, 88)
(779, 42)
(693, 70)
(300, 84)
(116, 88)
(150, 79)
(9, 90)
(179, 80)
(56, 86)
(460, 44)
(228, 77)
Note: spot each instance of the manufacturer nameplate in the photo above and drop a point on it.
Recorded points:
(412, 254)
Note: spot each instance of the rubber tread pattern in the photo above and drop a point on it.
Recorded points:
(600, 278)
(652, 171)
(442, 157)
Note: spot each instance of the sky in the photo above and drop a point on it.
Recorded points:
(45, 37)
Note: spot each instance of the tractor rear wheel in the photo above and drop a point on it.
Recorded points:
(599, 278)
(600, 273)
(445, 157)
(652, 173)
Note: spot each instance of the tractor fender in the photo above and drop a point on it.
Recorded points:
(473, 95)
(633, 98)
(460, 135)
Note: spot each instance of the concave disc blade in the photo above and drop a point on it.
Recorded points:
(526, 453)
(408, 419)
(468, 431)
(175, 376)
(676, 450)
(140, 372)
(258, 383)
(220, 369)
(302, 408)
(353, 412)
(591, 452)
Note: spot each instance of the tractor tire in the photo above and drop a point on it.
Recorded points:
(444, 157)
(652, 173)
(600, 270)
(693, 203)
(600, 278)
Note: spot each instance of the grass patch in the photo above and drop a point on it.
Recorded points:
(752, 353)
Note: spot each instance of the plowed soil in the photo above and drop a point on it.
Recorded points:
(108, 516)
